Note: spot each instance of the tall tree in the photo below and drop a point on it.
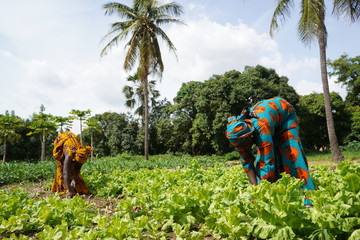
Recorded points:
(93, 126)
(312, 26)
(44, 125)
(9, 123)
(312, 109)
(142, 22)
(81, 116)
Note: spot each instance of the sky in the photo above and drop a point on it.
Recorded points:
(50, 51)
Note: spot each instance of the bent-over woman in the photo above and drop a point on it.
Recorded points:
(70, 156)
(272, 126)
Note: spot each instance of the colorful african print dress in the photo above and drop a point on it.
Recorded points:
(69, 142)
(273, 124)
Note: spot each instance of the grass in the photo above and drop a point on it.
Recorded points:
(326, 155)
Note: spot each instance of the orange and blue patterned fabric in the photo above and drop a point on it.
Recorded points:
(274, 128)
(69, 142)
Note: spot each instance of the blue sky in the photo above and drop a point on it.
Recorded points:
(50, 51)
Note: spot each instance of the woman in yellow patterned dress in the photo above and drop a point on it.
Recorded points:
(70, 156)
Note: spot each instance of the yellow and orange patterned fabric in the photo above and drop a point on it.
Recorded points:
(69, 142)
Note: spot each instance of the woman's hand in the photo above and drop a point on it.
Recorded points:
(73, 183)
(69, 194)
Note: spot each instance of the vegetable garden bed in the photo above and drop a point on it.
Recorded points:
(191, 202)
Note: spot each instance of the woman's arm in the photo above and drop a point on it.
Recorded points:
(77, 168)
(67, 174)
(252, 176)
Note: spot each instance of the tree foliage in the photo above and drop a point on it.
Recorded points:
(9, 124)
(81, 116)
(347, 70)
(63, 123)
(200, 112)
(118, 134)
(313, 120)
(43, 125)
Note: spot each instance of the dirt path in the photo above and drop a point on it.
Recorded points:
(106, 206)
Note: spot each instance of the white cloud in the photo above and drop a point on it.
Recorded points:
(205, 48)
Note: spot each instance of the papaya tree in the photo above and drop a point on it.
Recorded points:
(62, 122)
(93, 126)
(81, 116)
(42, 124)
(9, 123)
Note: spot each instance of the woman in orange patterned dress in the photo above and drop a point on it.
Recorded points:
(271, 125)
(70, 156)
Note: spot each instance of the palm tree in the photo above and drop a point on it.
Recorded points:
(131, 94)
(142, 22)
(312, 26)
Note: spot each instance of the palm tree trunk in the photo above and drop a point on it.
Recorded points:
(81, 142)
(43, 144)
(5, 148)
(92, 146)
(146, 118)
(334, 145)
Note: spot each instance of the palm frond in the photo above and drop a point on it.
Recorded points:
(167, 40)
(282, 11)
(157, 65)
(121, 9)
(172, 8)
(312, 19)
(348, 8)
(133, 78)
(165, 20)
(130, 103)
(143, 21)
(132, 53)
(128, 91)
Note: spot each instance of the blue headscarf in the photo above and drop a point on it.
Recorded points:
(239, 128)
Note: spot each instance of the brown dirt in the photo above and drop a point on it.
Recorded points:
(106, 206)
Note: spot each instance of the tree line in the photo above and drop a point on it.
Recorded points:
(196, 120)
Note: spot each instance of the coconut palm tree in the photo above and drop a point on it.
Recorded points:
(142, 22)
(312, 26)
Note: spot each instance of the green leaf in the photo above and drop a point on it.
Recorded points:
(355, 235)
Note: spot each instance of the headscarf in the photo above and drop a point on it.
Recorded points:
(69, 142)
(239, 129)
